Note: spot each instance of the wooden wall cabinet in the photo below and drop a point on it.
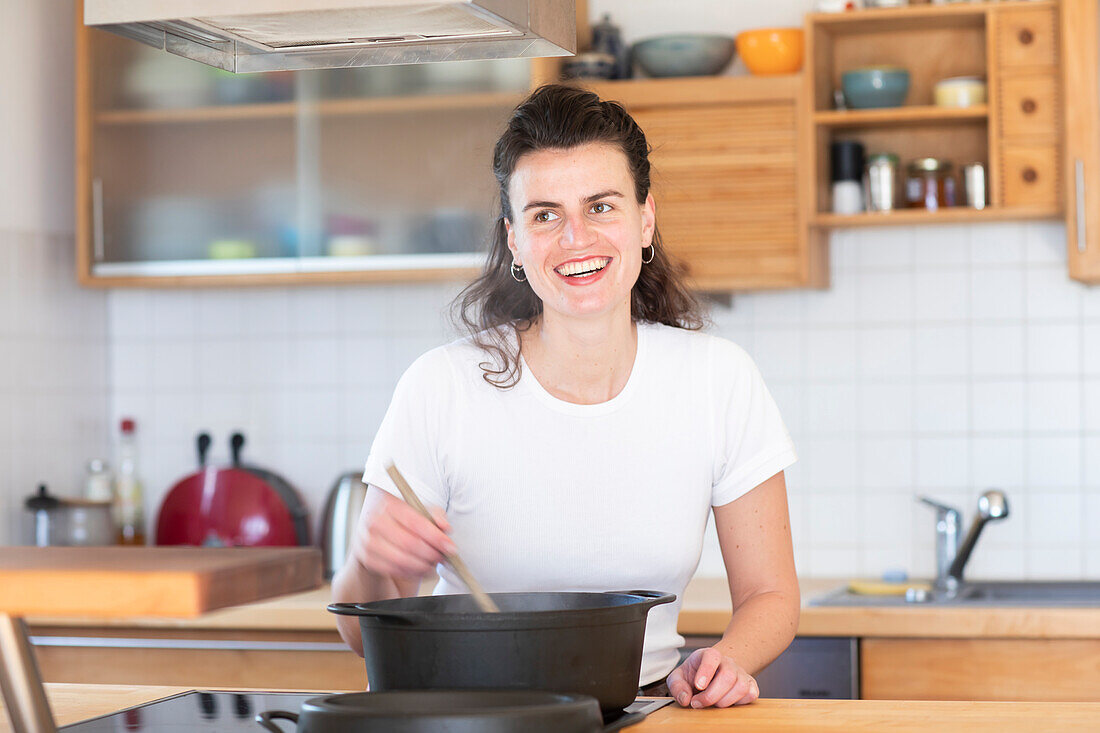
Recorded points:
(1016, 135)
(188, 175)
(191, 176)
(726, 166)
(1080, 31)
(237, 658)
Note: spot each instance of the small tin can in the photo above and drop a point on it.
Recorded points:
(881, 181)
(974, 185)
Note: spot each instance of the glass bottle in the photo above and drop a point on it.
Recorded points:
(129, 499)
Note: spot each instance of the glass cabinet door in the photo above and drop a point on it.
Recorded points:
(410, 183)
(196, 171)
(185, 167)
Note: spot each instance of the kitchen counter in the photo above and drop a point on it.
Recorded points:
(705, 612)
(72, 703)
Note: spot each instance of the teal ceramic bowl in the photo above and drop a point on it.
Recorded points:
(688, 54)
(877, 86)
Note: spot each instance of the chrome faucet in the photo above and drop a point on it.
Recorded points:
(952, 552)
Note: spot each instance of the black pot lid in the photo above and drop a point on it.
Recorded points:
(460, 711)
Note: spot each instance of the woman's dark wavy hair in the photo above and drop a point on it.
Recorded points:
(557, 117)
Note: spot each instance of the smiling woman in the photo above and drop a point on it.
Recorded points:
(581, 435)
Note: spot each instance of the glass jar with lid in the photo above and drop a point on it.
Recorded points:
(929, 185)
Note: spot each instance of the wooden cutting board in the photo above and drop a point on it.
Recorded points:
(183, 582)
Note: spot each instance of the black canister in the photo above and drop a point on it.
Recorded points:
(607, 38)
(847, 160)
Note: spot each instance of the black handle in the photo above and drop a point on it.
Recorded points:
(265, 719)
(626, 720)
(236, 442)
(203, 444)
(651, 597)
(360, 609)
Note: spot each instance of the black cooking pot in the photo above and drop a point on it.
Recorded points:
(453, 711)
(579, 643)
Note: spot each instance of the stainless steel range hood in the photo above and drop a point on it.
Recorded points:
(270, 35)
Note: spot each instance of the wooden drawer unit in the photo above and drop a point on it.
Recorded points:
(1027, 37)
(980, 669)
(1030, 176)
(725, 178)
(1029, 107)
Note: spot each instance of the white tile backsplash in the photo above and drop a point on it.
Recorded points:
(886, 408)
(885, 353)
(937, 363)
(998, 243)
(1054, 518)
(998, 462)
(997, 294)
(999, 405)
(885, 297)
(997, 350)
(1053, 405)
(1053, 462)
(1050, 295)
(942, 463)
(942, 246)
(941, 295)
(942, 407)
(53, 372)
(1053, 349)
(940, 351)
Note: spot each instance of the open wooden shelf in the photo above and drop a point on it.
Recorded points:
(327, 108)
(915, 16)
(898, 116)
(953, 215)
(697, 89)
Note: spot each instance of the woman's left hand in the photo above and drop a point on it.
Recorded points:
(710, 678)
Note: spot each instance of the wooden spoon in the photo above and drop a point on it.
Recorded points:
(484, 602)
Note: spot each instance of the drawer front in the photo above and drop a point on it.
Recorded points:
(1027, 37)
(1030, 176)
(1029, 106)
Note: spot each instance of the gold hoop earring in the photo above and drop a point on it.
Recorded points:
(517, 269)
(652, 253)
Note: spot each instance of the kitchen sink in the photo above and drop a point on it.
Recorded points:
(1060, 593)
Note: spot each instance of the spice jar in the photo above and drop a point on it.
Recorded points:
(929, 184)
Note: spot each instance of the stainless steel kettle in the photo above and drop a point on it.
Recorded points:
(342, 509)
(56, 521)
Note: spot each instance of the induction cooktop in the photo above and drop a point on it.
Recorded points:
(229, 712)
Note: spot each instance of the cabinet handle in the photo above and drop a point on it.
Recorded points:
(97, 219)
(1026, 36)
(1028, 105)
(1030, 175)
(1082, 242)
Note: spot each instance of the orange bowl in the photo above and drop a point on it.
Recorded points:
(768, 51)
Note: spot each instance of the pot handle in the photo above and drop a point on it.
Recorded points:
(265, 718)
(361, 609)
(652, 597)
(626, 720)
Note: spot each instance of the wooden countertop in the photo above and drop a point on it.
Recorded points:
(705, 612)
(72, 703)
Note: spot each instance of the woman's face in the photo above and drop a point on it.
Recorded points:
(577, 229)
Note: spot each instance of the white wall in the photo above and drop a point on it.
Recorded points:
(53, 381)
(942, 361)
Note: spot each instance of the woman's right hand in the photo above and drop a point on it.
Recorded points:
(395, 540)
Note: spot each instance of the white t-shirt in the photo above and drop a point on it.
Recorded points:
(548, 495)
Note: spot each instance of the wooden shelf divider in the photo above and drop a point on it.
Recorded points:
(327, 108)
(952, 215)
(899, 116)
